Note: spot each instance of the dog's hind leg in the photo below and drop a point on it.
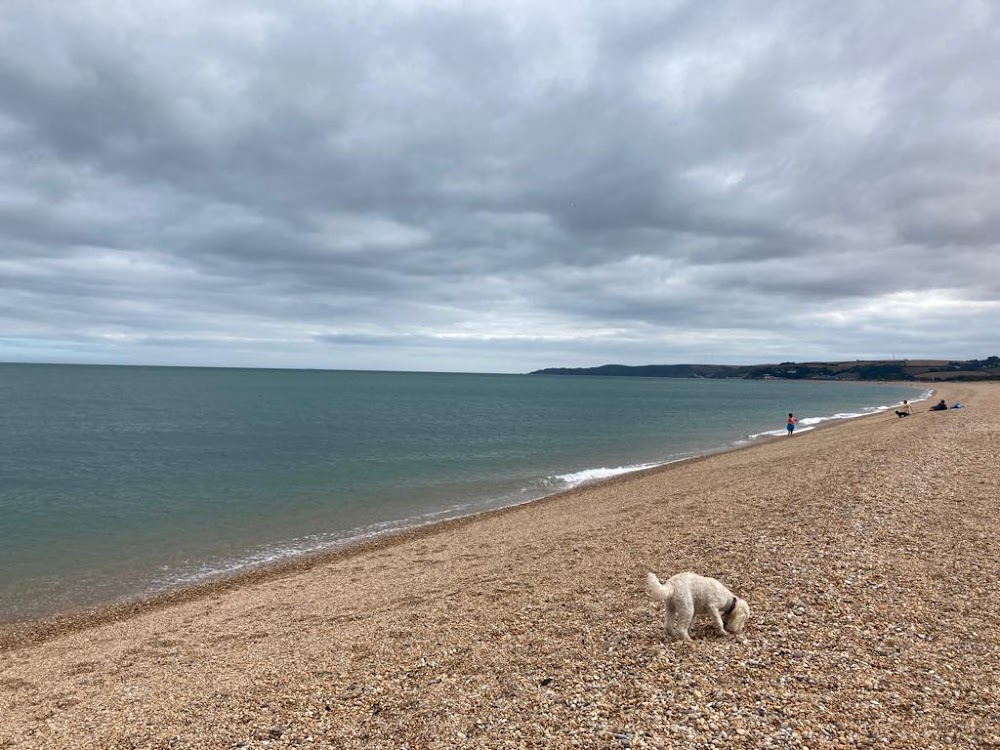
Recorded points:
(670, 619)
(684, 611)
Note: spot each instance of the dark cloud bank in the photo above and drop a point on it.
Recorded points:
(498, 186)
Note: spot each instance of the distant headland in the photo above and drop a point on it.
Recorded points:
(924, 370)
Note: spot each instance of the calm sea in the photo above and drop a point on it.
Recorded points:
(118, 482)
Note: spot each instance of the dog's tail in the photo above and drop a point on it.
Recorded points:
(659, 591)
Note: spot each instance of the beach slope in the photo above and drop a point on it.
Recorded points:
(868, 552)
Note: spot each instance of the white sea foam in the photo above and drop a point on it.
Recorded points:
(576, 478)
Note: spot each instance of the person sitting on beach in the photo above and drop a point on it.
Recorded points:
(939, 406)
(904, 409)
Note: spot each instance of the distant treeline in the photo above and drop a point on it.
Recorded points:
(901, 369)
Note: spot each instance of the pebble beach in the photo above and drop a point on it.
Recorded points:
(867, 551)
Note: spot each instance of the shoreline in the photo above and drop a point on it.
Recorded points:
(866, 553)
(31, 630)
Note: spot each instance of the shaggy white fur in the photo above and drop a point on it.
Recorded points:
(688, 594)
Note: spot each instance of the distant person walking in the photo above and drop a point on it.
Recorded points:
(904, 409)
(790, 425)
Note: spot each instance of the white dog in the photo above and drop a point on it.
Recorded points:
(688, 594)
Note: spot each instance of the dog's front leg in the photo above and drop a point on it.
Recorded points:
(720, 628)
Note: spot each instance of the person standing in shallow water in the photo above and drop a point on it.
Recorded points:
(790, 425)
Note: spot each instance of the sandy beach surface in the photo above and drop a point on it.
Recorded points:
(868, 552)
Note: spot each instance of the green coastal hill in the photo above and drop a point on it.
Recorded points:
(926, 370)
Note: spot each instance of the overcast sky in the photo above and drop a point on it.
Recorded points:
(498, 186)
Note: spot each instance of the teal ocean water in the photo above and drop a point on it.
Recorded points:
(118, 482)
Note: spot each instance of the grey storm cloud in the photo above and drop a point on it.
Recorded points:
(497, 186)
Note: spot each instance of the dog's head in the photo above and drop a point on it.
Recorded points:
(736, 619)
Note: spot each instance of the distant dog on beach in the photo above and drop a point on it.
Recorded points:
(688, 594)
